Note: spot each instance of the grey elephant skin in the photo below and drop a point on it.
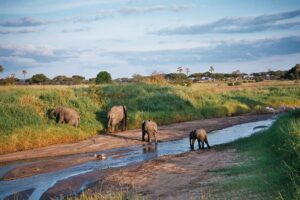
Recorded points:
(149, 127)
(201, 136)
(66, 115)
(116, 115)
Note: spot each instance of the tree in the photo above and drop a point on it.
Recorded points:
(236, 74)
(187, 71)
(76, 79)
(293, 73)
(137, 78)
(179, 69)
(39, 78)
(24, 72)
(211, 70)
(1, 68)
(297, 71)
(103, 77)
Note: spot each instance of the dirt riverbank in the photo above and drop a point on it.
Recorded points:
(128, 138)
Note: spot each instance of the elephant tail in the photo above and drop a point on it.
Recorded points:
(125, 116)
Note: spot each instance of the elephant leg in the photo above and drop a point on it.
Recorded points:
(143, 136)
(148, 137)
(123, 125)
(61, 119)
(112, 128)
(154, 135)
(202, 142)
(192, 144)
(207, 144)
(199, 143)
(109, 125)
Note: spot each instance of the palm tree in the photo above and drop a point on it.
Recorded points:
(211, 70)
(24, 72)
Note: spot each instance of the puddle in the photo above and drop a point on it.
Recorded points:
(122, 157)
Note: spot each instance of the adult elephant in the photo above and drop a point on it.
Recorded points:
(116, 115)
(66, 115)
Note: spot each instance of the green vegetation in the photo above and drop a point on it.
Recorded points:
(103, 77)
(24, 123)
(270, 163)
(39, 78)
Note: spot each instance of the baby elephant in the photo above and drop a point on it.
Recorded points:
(200, 135)
(66, 115)
(149, 127)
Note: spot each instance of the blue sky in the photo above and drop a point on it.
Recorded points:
(125, 37)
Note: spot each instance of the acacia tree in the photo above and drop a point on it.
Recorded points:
(39, 78)
(179, 69)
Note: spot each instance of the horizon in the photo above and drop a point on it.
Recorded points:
(139, 37)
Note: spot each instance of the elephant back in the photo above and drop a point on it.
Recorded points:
(201, 134)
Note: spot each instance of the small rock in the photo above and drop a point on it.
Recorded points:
(100, 156)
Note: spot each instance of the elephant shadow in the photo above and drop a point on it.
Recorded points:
(101, 116)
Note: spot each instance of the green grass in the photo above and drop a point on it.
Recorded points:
(23, 110)
(270, 166)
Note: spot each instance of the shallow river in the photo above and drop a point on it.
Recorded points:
(121, 157)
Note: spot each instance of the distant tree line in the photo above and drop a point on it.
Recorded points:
(181, 77)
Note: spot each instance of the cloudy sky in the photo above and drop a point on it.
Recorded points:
(125, 37)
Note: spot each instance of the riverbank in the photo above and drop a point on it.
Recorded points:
(25, 124)
(70, 174)
(262, 166)
(128, 138)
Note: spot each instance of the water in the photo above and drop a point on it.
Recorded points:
(122, 157)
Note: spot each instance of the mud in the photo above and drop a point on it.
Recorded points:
(185, 176)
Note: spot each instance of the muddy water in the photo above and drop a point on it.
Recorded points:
(121, 157)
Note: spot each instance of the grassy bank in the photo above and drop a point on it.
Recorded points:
(271, 163)
(23, 110)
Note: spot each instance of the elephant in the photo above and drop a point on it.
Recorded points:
(116, 115)
(200, 135)
(149, 127)
(66, 115)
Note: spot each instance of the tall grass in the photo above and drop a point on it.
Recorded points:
(23, 110)
(272, 162)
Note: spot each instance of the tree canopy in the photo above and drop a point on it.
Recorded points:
(39, 78)
(103, 77)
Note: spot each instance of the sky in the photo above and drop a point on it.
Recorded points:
(126, 37)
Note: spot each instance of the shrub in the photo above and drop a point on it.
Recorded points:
(230, 84)
(237, 83)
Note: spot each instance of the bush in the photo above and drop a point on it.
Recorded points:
(237, 83)
(230, 84)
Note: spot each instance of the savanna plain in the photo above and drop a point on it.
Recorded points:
(264, 165)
